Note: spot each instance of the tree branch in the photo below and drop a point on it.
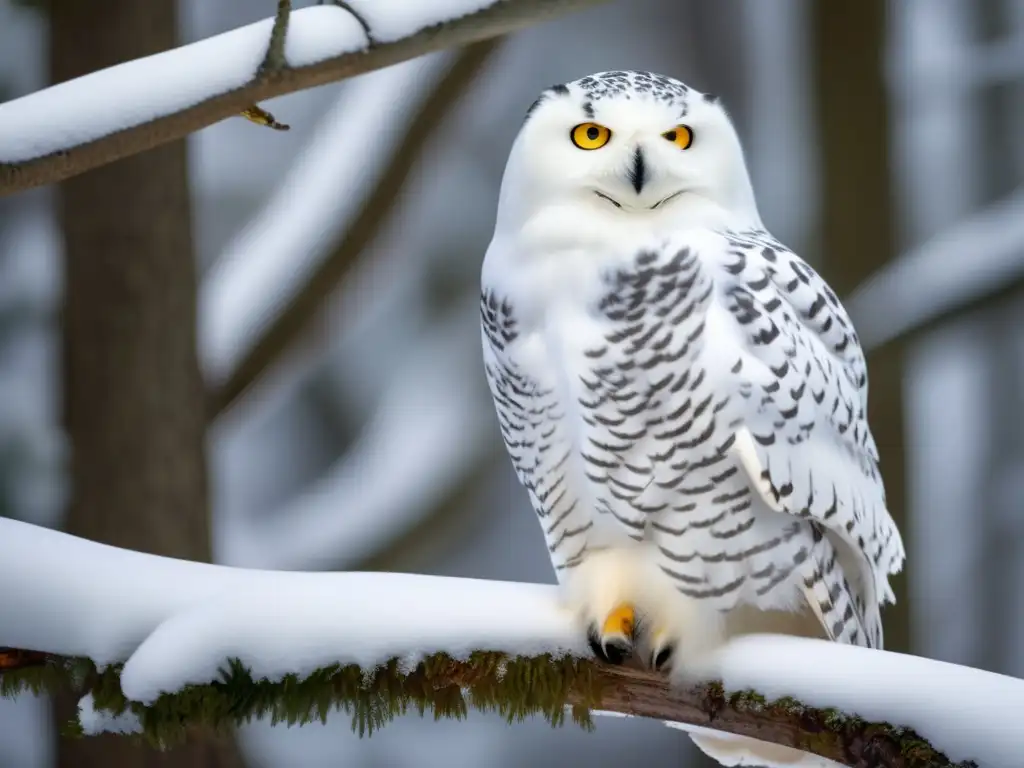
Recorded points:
(153, 637)
(487, 681)
(21, 167)
(309, 298)
(274, 61)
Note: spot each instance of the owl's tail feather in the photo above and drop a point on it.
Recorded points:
(846, 615)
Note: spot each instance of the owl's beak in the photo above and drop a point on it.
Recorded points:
(637, 173)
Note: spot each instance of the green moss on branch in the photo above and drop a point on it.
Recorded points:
(516, 688)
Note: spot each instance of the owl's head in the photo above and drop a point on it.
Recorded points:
(632, 144)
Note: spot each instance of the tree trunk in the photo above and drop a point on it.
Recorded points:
(857, 230)
(133, 395)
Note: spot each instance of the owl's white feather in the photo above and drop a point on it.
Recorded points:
(682, 396)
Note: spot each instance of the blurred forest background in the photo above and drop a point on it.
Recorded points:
(318, 402)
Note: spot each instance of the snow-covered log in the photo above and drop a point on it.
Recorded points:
(92, 120)
(160, 646)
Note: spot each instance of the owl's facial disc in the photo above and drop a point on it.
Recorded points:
(628, 144)
(629, 152)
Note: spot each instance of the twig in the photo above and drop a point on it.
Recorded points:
(500, 18)
(358, 17)
(274, 61)
(488, 681)
(319, 285)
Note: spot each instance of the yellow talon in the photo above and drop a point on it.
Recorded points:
(613, 643)
(621, 621)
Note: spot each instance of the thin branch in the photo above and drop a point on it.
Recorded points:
(274, 61)
(358, 16)
(499, 18)
(309, 298)
(515, 687)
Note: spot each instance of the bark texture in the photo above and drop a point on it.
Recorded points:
(133, 395)
(553, 688)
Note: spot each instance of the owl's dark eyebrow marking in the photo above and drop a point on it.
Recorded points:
(561, 90)
(533, 106)
(588, 109)
(710, 98)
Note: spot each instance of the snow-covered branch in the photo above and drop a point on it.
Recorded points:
(122, 110)
(162, 646)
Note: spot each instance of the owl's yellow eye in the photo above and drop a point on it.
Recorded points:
(681, 136)
(590, 136)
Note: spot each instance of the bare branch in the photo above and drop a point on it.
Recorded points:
(359, 17)
(499, 18)
(514, 686)
(274, 60)
(321, 283)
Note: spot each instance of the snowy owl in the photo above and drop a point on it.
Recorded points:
(682, 397)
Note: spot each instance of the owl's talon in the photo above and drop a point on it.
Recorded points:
(660, 658)
(613, 643)
(610, 650)
(662, 651)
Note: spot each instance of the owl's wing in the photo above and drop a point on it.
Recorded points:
(801, 374)
(529, 416)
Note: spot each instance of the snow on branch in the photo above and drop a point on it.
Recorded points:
(160, 646)
(77, 125)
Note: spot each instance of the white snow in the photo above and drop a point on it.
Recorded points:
(94, 721)
(391, 20)
(176, 622)
(361, 618)
(262, 268)
(135, 92)
(973, 257)
(731, 750)
(967, 713)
